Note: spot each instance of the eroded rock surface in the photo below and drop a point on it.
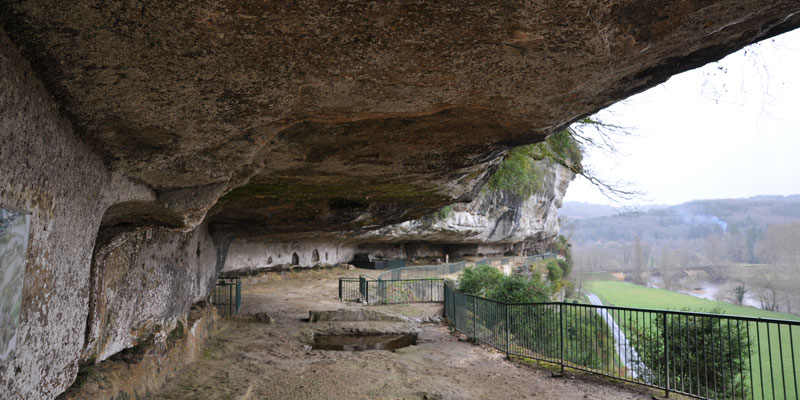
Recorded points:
(327, 115)
(48, 172)
(143, 282)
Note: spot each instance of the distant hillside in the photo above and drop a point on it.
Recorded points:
(692, 220)
(579, 209)
(736, 224)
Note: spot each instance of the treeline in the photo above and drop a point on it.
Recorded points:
(748, 246)
(694, 233)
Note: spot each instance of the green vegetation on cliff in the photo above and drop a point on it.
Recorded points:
(521, 174)
(445, 212)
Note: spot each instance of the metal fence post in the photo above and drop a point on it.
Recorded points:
(340, 289)
(508, 334)
(561, 324)
(230, 299)
(455, 306)
(666, 356)
(474, 319)
(238, 295)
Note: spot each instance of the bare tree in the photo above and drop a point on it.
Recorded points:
(780, 246)
(713, 247)
(639, 260)
(668, 275)
(768, 293)
(591, 132)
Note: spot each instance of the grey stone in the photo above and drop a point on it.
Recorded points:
(354, 314)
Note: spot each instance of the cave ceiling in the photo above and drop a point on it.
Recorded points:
(301, 116)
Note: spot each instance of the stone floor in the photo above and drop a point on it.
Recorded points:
(252, 360)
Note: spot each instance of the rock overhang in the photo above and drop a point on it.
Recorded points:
(276, 117)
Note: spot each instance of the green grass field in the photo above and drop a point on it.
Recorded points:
(628, 295)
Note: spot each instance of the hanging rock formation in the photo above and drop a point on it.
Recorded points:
(495, 223)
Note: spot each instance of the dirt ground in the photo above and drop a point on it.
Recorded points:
(254, 360)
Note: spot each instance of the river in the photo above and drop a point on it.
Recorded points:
(705, 290)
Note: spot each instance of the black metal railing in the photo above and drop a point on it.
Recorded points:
(372, 291)
(424, 271)
(349, 289)
(227, 296)
(696, 354)
(444, 270)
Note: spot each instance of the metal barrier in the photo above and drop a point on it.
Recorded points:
(349, 289)
(413, 284)
(423, 271)
(700, 355)
(371, 291)
(227, 296)
(442, 270)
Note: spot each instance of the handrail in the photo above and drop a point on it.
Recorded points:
(742, 357)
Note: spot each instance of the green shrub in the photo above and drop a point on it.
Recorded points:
(521, 289)
(489, 282)
(729, 361)
(480, 280)
(554, 272)
(566, 267)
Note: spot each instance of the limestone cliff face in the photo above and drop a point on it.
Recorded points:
(495, 222)
(494, 217)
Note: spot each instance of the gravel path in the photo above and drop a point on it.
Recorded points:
(250, 360)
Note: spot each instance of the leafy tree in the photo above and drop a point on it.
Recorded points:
(691, 342)
(563, 247)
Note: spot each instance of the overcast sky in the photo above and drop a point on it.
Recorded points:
(727, 130)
